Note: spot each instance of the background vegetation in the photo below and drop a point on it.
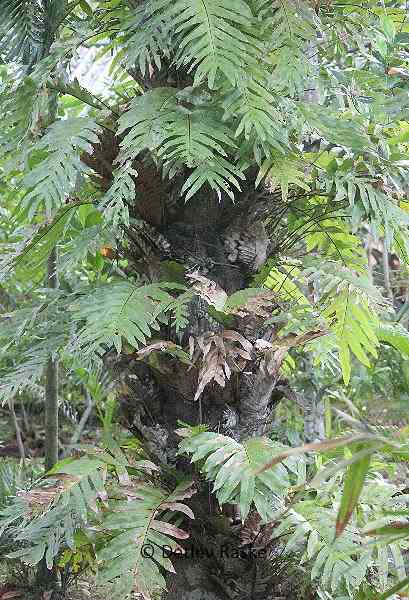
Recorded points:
(204, 299)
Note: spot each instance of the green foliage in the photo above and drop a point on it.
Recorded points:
(305, 101)
(395, 336)
(49, 520)
(54, 176)
(294, 27)
(122, 310)
(354, 328)
(341, 564)
(194, 137)
(22, 29)
(30, 253)
(137, 523)
(234, 469)
(44, 519)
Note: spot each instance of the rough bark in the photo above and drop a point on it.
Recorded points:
(154, 395)
(227, 243)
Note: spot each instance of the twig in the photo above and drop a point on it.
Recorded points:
(83, 421)
(19, 439)
(386, 272)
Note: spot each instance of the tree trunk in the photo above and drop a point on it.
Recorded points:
(51, 384)
(155, 395)
(226, 243)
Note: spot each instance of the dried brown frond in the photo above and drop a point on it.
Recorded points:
(42, 498)
(259, 305)
(207, 289)
(221, 353)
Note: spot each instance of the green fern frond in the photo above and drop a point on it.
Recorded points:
(394, 335)
(145, 37)
(333, 239)
(284, 284)
(121, 193)
(49, 516)
(84, 243)
(142, 539)
(52, 179)
(233, 468)
(355, 329)
(337, 130)
(215, 36)
(44, 519)
(121, 311)
(192, 137)
(28, 336)
(293, 25)
(342, 563)
(20, 104)
(23, 28)
(252, 108)
(32, 252)
(351, 304)
(22, 376)
(283, 171)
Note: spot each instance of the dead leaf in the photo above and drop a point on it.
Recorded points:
(42, 497)
(160, 346)
(7, 595)
(169, 529)
(209, 290)
(221, 354)
(259, 305)
(178, 506)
